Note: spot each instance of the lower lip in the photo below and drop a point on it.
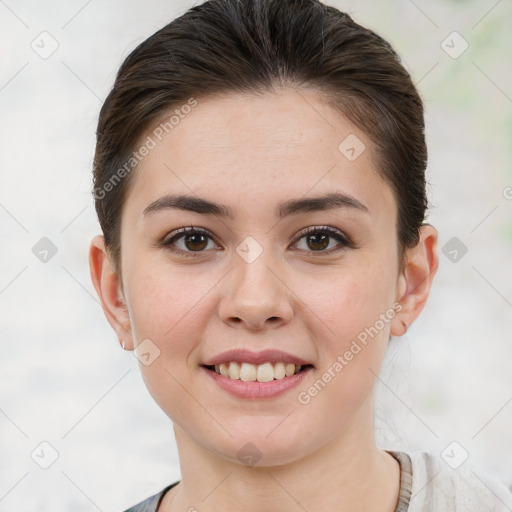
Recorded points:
(243, 389)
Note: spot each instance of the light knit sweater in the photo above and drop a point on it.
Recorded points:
(429, 484)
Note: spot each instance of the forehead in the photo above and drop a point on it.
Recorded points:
(271, 146)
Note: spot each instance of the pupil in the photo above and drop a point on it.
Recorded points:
(192, 238)
(323, 237)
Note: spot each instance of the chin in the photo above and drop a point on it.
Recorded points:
(257, 448)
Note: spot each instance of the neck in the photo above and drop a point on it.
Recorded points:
(348, 474)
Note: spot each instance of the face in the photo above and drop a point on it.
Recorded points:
(277, 273)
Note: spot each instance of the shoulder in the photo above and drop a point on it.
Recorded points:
(443, 485)
(151, 504)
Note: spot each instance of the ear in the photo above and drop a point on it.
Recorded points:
(109, 288)
(415, 280)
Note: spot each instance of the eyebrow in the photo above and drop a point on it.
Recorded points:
(293, 206)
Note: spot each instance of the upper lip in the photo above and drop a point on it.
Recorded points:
(247, 356)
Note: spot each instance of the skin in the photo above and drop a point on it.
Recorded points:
(250, 153)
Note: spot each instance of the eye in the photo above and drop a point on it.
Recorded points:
(319, 238)
(192, 240)
(188, 240)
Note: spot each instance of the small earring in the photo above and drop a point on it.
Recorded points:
(123, 344)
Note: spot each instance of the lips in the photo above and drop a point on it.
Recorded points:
(265, 356)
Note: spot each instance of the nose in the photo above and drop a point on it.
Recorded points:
(255, 295)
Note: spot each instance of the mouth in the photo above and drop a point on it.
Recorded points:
(265, 372)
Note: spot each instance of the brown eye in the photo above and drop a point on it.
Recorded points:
(319, 239)
(195, 242)
(191, 240)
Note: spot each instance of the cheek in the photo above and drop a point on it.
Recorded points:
(170, 307)
(349, 301)
(167, 308)
(165, 305)
(352, 331)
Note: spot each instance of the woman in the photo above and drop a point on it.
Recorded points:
(259, 178)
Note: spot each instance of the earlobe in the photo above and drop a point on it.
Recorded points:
(415, 281)
(109, 289)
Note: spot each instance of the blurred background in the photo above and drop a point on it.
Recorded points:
(78, 429)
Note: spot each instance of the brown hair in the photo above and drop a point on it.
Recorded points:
(257, 46)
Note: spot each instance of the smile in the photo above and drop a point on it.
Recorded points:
(248, 372)
(243, 379)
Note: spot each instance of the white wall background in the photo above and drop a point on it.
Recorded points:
(64, 378)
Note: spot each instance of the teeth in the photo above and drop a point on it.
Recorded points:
(279, 370)
(233, 370)
(223, 370)
(247, 372)
(262, 373)
(290, 369)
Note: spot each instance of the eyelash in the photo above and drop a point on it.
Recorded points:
(333, 233)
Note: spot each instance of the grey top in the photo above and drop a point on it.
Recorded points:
(427, 484)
